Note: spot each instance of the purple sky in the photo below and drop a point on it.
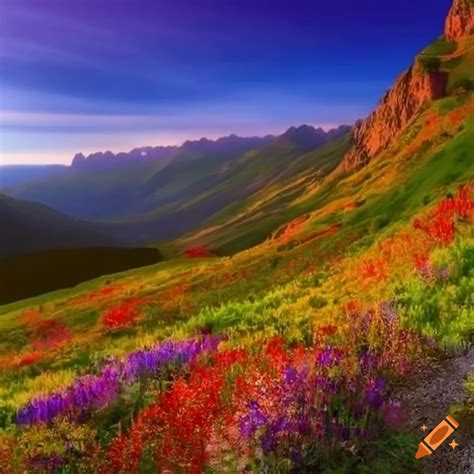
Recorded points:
(90, 75)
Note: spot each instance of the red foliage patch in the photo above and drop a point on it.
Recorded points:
(122, 315)
(292, 229)
(198, 252)
(374, 269)
(440, 224)
(50, 334)
(30, 358)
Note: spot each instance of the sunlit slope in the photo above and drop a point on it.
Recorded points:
(436, 150)
(235, 183)
(248, 221)
(294, 281)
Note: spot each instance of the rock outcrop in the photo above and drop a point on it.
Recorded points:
(404, 101)
(397, 108)
(460, 20)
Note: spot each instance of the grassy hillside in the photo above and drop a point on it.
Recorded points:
(268, 171)
(248, 221)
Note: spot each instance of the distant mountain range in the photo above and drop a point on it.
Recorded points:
(156, 193)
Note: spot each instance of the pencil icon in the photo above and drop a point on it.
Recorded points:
(437, 437)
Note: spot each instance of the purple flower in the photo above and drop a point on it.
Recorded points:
(252, 420)
(329, 357)
(46, 462)
(388, 312)
(97, 391)
(374, 393)
(368, 361)
(296, 455)
(326, 385)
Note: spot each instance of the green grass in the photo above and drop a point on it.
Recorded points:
(440, 47)
(446, 167)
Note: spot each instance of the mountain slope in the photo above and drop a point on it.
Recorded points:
(225, 189)
(144, 199)
(15, 175)
(107, 186)
(29, 226)
(248, 221)
(92, 189)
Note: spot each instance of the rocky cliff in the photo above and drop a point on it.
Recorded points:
(460, 20)
(401, 104)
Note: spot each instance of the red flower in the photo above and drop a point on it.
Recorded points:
(50, 333)
(30, 358)
(198, 252)
(464, 203)
(121, 316)
(417, 224)
(442, 230)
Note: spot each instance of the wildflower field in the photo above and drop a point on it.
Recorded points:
(278, 359)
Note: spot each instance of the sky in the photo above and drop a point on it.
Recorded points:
(92, 75)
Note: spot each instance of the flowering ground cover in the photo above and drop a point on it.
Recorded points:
(293, 377)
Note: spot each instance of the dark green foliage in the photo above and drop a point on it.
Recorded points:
(318, 303)
(430, 63)
(463, 85)
(379, 223)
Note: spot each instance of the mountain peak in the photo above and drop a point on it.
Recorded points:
(303, 131)
(460, 20)
(306, 137)
(78, 159)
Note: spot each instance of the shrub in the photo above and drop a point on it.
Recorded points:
(462, 86)
(430, 63)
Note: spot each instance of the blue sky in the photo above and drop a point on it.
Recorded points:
(90, 75)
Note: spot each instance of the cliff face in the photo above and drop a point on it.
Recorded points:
(411, 90)
(460, 20)
(406, 98)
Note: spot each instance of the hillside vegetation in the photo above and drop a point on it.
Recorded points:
(143, 199)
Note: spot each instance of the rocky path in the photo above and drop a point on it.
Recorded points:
(428, 398)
